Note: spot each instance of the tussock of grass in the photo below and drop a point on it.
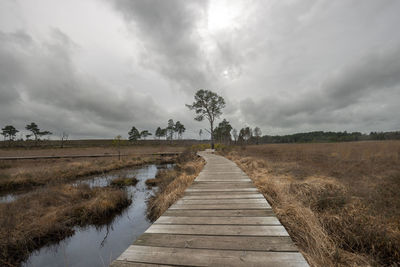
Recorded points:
(172, 183)
(339, 202)
(49, 215)
(163, 178)
(124, 181)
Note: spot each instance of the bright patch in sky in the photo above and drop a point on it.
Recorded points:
(222, 15)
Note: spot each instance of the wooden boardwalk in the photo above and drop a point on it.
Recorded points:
(222, 220)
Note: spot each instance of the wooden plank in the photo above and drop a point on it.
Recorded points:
(208, 257)
(254, 243)
(223, 196)
(205, 193)
(247, 230)
(222, 190)
(118, 263)
(219, 213)
(246, 206)
(219, 220)
(247, 183)
(222, 180)
(183, 201)
(221, 186)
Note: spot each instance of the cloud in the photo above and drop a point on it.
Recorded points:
(41, 83)
(172, 44)
(350, 99)
(285, 66)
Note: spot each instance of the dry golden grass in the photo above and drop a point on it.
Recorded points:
(49, 215)
(340, 202)
(173, 183)
(125, 150)
(25, 175)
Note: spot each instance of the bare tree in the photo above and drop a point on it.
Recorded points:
(64, 138)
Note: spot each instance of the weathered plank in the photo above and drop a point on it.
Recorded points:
(219, 213)
(222, 190)
(205, 193)
(183, 201)
(210, 257)
(218, 220)
(255, 243)
(253, 206)
(224, 196)
(201, 229)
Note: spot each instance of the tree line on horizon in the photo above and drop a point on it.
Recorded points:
(173, 129)
(208, 105)
(9, 132)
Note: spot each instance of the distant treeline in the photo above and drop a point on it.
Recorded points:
(321, 136)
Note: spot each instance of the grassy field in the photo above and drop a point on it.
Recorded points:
(106, 149)
(29, 174)
(339, 201)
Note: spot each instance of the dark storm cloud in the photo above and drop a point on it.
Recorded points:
(168, 30)
(365, 91)
(40, 83)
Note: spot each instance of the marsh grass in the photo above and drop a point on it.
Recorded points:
(340, 202)
(26, 176)
(49, 215)
(171, 184)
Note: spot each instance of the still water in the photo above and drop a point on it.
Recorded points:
(94, 246)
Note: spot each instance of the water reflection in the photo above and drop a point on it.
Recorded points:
(8, 198)
(99, 246)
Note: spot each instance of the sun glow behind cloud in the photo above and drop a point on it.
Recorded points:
(223, 15)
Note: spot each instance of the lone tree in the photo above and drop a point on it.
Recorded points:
(34, 129)
(133, 134)
(207, 105)
(9, 131)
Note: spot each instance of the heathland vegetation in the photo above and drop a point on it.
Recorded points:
(340, 202)
(48, 205)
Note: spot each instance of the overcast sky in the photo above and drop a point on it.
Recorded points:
(95, 68)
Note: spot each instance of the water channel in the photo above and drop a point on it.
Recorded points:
(99, 246)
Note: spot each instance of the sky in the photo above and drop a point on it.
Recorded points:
(95, 68)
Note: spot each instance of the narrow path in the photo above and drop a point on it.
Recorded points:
(222, 220)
